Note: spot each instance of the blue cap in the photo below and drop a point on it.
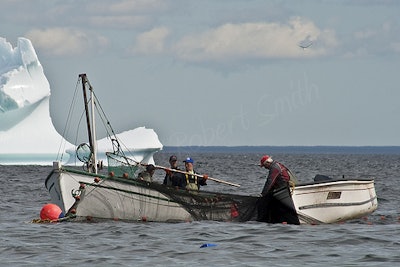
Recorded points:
(188, 160)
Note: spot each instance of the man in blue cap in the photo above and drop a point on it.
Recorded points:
(192, 180)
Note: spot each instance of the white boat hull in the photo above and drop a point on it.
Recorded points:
(335, 201)
(108, 199)
(62, 186)
(327, 202)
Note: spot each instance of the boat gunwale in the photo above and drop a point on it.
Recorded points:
(143, 184)
(334, 182)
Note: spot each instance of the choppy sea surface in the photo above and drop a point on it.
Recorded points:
(369, 241)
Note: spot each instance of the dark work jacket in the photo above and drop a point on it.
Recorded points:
(175, 179)
(278, 177)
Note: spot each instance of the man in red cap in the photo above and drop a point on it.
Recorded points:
(276, 203)
(278, 175)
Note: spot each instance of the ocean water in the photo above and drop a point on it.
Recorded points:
(370, 241)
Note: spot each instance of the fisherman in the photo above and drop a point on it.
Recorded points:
(276, 203)
(147, 175)
(192, 181)
(175, 179)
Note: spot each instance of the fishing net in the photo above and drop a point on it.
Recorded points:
(202, 205)
(121, 166)
(205, 205)
(277, 207)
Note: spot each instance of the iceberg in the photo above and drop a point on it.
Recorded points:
(27, 133)
(139, 144)
(26, 129)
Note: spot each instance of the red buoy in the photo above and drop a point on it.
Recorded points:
(234, 211)
(51, 212)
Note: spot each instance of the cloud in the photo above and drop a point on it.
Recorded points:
(119, 21)
(126, 14)
(151, 42)
(129, 6)
(255, 41)
(379, 39)
(65, 41)
(365, 34)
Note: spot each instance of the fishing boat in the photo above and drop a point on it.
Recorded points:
(334, 200)
(116, 192)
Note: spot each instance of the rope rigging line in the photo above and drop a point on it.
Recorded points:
(68, 121)
(110, 133)
(108, 127)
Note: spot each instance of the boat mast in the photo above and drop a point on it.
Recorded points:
(94, 141)
(92, 166)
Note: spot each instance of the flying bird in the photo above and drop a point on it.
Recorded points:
(305, 45)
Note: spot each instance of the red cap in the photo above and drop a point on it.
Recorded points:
(264, 159)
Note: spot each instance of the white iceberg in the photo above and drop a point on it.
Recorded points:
(27, 133)
(25, 124)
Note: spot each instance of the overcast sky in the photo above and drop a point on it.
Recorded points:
(224, 72)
